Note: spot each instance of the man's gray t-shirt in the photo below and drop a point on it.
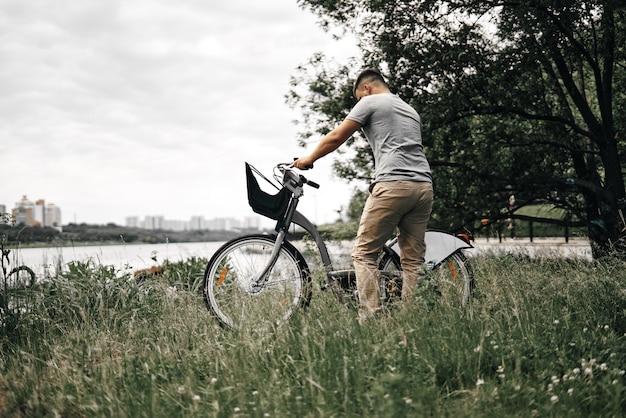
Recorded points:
(394, 131)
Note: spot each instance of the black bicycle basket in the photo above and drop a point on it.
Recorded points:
(263, 203)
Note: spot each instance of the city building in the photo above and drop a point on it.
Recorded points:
(37, 214)
(132, 221)
(53, 216)
(40, 213)
(196, 223)
(153, 222)
(252, 222)
(24, 211)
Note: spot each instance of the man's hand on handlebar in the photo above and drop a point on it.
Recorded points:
(303, 163)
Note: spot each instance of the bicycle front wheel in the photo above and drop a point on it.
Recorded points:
(228, 276)
(452, 279)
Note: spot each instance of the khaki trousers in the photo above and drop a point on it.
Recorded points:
(403, 204)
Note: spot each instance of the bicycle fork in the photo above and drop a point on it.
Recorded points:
(258, 281)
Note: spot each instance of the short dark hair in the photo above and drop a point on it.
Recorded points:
(369, 75)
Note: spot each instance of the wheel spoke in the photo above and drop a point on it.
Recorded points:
(228, 287)
(452, 280)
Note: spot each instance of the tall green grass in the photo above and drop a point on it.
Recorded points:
(542, 338)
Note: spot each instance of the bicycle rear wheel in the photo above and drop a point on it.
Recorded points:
(229, 273)
(21, 277)
(452, 279)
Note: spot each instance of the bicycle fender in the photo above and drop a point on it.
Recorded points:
(439, 246)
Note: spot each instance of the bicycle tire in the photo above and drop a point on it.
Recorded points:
(453, 279)
(21, 277)
(227, 278)
(16, 290)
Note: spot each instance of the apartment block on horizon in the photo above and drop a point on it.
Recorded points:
(37, 214)
(196, 223)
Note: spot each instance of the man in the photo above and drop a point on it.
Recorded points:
(401, 195)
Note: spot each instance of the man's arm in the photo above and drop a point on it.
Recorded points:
(329, 143)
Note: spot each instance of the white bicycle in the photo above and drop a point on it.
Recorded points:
(257, 280)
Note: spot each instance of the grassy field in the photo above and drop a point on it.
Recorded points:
(543, 338)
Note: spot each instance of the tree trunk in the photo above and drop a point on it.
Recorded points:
(605, 235)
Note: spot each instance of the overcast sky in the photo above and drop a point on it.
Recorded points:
(111, 108)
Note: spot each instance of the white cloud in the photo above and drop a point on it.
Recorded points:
(111, 109)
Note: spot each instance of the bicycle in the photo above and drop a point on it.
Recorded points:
(260, 280)
(15, 285)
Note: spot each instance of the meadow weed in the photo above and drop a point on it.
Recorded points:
(542, 337)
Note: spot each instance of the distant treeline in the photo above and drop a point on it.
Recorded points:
(110, 233)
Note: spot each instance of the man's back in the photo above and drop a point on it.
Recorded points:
(393, 130)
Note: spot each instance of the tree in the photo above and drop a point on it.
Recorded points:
(357, 202)
(517, 97)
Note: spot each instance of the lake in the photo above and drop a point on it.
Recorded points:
(46, 261)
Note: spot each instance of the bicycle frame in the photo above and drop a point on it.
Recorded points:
(439, 245)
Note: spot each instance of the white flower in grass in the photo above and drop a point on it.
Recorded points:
(556, 322)
(213, 380)
(196, 398)
(555, 380)
(606, 327)
(604, 367)
(479, 383)
(588, 371)
(622, 372)
(478, 349)
(565, 377)
(171, 292)
(570, 391)
(237, 409)
(181, 390)
(576, 370)
(554, 399)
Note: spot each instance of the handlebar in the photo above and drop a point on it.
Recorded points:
(289, 173)
(313, 184)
